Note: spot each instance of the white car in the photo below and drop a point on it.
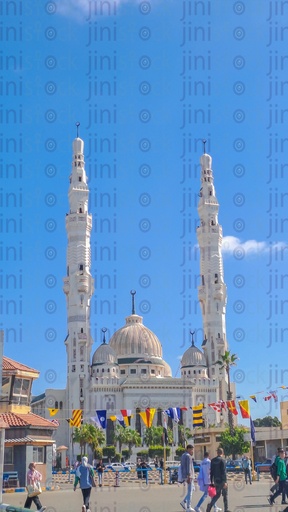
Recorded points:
(115, 466)
(130, 465)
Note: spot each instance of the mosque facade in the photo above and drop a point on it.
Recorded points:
(129, 371)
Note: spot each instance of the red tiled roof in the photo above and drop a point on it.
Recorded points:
(24, 420)
(11, 365)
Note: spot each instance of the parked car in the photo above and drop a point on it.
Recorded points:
(234, 465)
(263, 466)
(116, 466)
(130, 465)
(196, 464)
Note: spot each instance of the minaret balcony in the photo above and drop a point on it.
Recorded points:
(66, 286)
(83, 284)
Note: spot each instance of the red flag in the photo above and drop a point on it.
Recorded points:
(232, 407)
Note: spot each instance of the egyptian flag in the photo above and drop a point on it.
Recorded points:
(165, 429)
(198, 416)
(76, 419)
(232, 407)
(147, 416)
(53, 412)
(127, 415)
(244, 408)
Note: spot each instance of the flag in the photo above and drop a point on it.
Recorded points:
(126, 413)
(120, 419)
(252, 431)
(76, 419)
(253, 398)
(218, 406)
(165, 429)
(232, 407)
(147, 416)
(173, 413)
(52, 412)
(268, 397)
(101, 418)
(274, 395)
(55, 422)
(244, 408)
(198, 416)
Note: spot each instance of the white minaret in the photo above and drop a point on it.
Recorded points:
(78, 285)
(212, 290)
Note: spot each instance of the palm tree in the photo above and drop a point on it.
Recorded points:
(88, 434)
(184, 434)
(132, 438)
(153, 436)
(226, 361)
(119, 436)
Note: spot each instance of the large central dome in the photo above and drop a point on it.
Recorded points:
(134, 340)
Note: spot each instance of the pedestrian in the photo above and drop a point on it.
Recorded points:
(273, 470)
(280, 479)
(204, 482)
(33, 479)
(246, 464)
(219, 479)
(187, 475)
(85, 477)
(100, 470)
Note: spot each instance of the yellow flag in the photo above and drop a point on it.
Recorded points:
(52, 412)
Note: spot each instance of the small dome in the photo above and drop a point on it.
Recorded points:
(206, 161)
(167, 370)
(78, 146)
(104, 355)
(135, 340)
(193, 357)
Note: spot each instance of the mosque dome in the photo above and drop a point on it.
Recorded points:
(193, 357)
(134, 340)
(104, 354)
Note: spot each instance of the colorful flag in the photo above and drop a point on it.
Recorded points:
(218, 406)
(253, 398)
(232, 407)
(198, 416)
(127, 415)
(274, 395)
(147, 416)
(173, 413)
(55, 422)
(52, 412)
(120, 419)
(268, 397)
(76, 419)
(244, 408)
(252, 431)
(101, 416)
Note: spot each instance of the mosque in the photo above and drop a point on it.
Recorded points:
(129, 371)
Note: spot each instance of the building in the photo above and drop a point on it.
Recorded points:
(129, 371)
(28, 437)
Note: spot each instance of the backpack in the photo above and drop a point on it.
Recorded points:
(273, 471)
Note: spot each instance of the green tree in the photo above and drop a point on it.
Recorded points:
(234, 444)
(184, 434)
(267, 421)
(127, 436)
(153, 436)
(226, 361)
(90, 435)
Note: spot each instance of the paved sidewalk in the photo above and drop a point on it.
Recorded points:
(151, 498)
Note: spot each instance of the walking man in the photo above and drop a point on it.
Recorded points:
(219, 479)
(281, 479)
(187, 472)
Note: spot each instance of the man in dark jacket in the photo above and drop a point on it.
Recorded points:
(219, 479)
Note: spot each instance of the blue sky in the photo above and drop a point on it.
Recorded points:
(147, 81)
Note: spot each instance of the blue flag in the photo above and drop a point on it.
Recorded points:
(101, 414)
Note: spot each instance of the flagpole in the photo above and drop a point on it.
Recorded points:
(252, 460)
(164, 465)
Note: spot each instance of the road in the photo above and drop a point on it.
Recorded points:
(151, 498)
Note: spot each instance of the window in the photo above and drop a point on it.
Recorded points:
(122, 372)
(81, 266)
(153, 372)
(39, 454)
(143, 370)
(60, 405)
(133, 370)
(80, 179)
(8, 455)
(21, 391)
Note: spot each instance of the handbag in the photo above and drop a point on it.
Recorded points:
(34, 489)
(211, 491)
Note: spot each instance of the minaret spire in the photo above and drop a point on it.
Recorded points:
(77, 129)
(204, 144)
(192, 338)
(78, 283)
(133, 293)
(104, 330)
(212, 290)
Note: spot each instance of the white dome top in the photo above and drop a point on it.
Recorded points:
(193, 357)
(135, 340)
(206, 161)
(78, 146)
(104, 355)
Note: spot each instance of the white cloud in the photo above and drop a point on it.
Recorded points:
(84, 9)
(250, 247)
